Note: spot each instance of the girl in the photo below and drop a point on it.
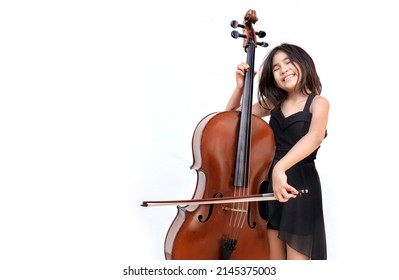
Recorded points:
(289, 91)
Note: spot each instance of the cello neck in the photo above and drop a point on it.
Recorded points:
(244, 134)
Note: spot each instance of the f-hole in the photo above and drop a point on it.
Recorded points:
(200, 217)
(249, 217)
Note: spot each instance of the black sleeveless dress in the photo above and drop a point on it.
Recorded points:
(300, 221)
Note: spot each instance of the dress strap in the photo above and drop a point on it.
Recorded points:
(309, 101)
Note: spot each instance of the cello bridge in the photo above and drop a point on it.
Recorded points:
(226, 208)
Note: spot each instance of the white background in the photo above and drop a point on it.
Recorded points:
(99, 100)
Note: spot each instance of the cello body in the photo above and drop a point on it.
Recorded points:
(232, 155)
(198, 231)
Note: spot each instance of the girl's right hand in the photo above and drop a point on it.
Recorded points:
(240, 73)
(242, 68)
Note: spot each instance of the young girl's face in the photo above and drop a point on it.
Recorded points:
(286, 75)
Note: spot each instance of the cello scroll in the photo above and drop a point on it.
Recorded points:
(250, 34)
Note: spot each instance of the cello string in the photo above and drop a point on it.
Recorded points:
(243, 212)
(234, 214)
(240, 211)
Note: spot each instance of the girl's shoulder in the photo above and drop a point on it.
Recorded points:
(320, 103)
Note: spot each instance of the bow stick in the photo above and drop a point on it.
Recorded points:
(217, 200)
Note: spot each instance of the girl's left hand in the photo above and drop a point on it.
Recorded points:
(281, 189)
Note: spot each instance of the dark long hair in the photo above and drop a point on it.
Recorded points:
(269, 95)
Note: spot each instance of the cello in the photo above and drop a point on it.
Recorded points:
(232, 154)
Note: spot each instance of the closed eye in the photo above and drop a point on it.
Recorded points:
(285, 61)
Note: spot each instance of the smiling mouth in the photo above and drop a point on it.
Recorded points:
(289, 77)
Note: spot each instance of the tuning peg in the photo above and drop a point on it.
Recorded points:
(235, 24)
(236, 34)
(262, 44)
(261, 34)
